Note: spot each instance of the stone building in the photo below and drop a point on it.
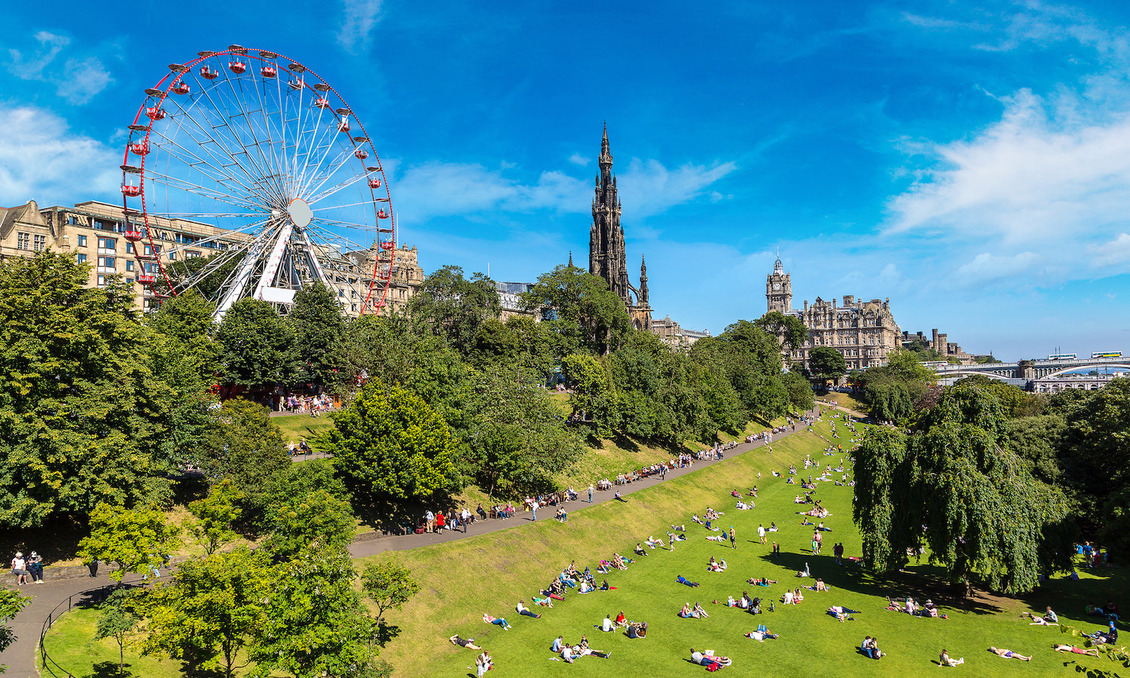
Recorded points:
(939, 341)
(607, 255)
(865, 332)
(95, 234)
(675, 336)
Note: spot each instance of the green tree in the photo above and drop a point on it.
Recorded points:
(319, 327)
(826, 363)
(535, 347)
(216, 514)
(314, 521)
(83, 419)
(581, 312)
(789, 329)
(314, 624)
(258, 346)
(450, 306)
(117, 618)
(593, 398)
(244, 445)
(216, 268)
(799, 391)
(954, 486)
(10, 605)
(213, 609)
(389, 445)
(138, 540)
(389, 585)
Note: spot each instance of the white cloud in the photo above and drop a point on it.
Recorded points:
(578, 159)
(444, 189)
(1113, 253)
(361, 16)
(40, 159)
(986, 267)
(77, 80)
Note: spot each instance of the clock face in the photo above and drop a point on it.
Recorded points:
(776, 285)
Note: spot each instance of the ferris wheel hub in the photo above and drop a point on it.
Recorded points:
(300, 212)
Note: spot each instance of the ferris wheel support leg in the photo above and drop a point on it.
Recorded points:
(314, 263)
(273, 261)
(238, 285)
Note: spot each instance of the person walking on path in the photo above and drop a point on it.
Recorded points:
(534, 509)
(590, 493)
(733, 541)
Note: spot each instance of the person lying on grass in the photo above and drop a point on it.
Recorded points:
(544, 602)
(497, 621)
(761, 581)
(1009, 654)
(652, 542)
(818, 586)
(1049, 619)
(675, 537)
(842, 613)
(708, 658)
(945, 660)
(805, 572)
(761, 633)
(1077, 650)
(683, 580)
(468, 643)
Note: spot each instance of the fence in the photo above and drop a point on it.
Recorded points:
(90, 596)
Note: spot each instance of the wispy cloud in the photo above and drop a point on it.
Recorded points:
(1113, 253)
(41, 159)
(580, 160)
(77, 79)
(443, 189)
(986, 267)
(360, 17)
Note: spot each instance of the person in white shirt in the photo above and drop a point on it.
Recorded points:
(19, 568)
(525, 611)
(607, 626)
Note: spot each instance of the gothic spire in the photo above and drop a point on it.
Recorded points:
(643, 281)
(570, 258)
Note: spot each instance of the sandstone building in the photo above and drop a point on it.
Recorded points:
(607, 255)
(865, 332)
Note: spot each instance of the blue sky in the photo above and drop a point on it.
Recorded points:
(968, 160)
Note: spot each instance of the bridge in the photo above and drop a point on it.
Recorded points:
(1026, 373)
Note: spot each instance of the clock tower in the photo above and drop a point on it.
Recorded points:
(779, 289)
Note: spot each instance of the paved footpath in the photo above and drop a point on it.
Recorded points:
(21, 655)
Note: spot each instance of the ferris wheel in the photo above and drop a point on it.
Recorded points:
(247, 175)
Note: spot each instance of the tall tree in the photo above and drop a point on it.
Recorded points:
(389, 445)
(581, 312)
(83, 419)
(213, 608)
(389, 585)
(245, 446)
(138, 540)
(216, 515)
(826, 363)
(789, 329)
(319, 327)
(954, 486)
(450, 306)
(258, 345)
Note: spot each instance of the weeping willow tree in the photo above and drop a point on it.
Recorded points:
(953, 486)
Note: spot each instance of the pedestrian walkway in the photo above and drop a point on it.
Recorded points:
(21, 655)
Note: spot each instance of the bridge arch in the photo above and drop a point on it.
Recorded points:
(1065, 370)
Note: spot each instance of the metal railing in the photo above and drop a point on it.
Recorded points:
(91, 596)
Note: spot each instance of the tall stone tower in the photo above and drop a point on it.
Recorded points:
(779, 289)
(607, 255)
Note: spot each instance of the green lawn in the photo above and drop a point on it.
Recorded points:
(295, 427)
(461, 580)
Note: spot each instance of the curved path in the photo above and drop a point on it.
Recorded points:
(21, 655)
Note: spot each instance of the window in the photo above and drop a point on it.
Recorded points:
(101, 280)
(40, 243)
(81, 258)
(107, 243)
(106, 262)
(129, 248)
(191, 254)
(82, 241)
(172, 256)
(23, 241)
(129, 264)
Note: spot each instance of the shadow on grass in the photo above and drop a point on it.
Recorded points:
(109, 670)
(922, 582)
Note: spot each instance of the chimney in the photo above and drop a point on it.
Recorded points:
(848, 300)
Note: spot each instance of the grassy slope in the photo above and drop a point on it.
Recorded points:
(463, 579)
(295, 427)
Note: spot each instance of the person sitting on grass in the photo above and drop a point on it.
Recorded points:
(586, 587)
(698, 612)
(819, 586)
(497, 621)
(871, 648)
(637, 630)
(945, 660)
(1050, 618)
(621, 620)
(798, 597)
(618, 562)
(1009, 654)
(525, 611)
(607, 625)
(604, 585)
(787, 598)
(468, 643)
(1077, 650)
(683, 580)
(640, 551)
(686, 613)
(761, 633)
(1110, 636)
